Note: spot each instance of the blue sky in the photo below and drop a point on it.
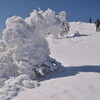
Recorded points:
(77, 10)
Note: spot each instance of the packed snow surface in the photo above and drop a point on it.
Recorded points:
(79, 79)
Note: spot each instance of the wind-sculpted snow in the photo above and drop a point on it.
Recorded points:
(49, 23)
(25, 51)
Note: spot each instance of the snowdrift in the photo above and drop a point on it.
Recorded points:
(79, 29)
(82, 27)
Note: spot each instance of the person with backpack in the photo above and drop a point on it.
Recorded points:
(97, 23)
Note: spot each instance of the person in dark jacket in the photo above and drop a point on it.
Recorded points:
(90, 20)
(97, 23)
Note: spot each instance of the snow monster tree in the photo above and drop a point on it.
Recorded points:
(24, 50)
(23, 47)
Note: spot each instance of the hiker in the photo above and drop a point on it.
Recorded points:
(97, 23)
(90, 20)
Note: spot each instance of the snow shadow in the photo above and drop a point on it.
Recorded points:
(77, 35)
(71, 71)
(80, 35)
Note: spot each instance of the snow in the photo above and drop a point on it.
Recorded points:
(79, 79)
(28, 53)
(13, 85)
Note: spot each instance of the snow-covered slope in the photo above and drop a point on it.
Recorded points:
(79, 79)
(81, 49)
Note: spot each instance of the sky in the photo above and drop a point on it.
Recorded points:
(77, 10)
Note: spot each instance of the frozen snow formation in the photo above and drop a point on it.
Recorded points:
(49, 23)
(16, 84)
(24, 50)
